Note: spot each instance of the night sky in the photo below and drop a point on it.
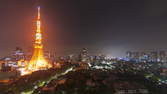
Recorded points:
(103, 26)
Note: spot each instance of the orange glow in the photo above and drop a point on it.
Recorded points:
(37, 61)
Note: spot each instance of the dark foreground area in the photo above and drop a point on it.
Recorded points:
(101, 82)
(71, 79)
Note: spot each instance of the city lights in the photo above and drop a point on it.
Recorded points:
(106, 47)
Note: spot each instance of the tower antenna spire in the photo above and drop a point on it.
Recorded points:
(39, 12)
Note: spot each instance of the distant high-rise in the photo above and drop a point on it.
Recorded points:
(83, 57)
(162, 56)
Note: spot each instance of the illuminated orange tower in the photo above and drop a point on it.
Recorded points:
(38, 61)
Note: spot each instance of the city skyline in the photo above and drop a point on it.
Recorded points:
(83, 47)
(105, 26)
